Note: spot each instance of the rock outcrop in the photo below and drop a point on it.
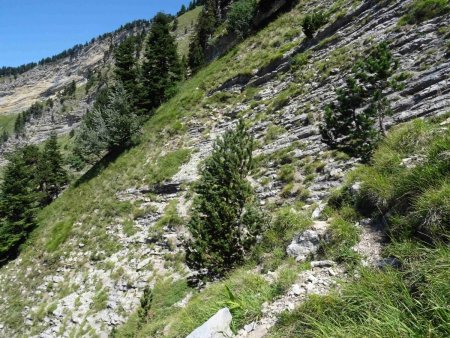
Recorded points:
(300, 91)
(218, 326)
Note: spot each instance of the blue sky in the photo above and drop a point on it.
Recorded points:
(33, 29)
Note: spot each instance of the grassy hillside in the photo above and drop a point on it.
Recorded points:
(80, 231)
(186, 25)
(7, 123)
(406, 187)
(83, 212)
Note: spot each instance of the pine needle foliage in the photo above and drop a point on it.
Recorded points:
(355, 124)
(109, 127)
(226, 220)
(32, 179)
(161, 70)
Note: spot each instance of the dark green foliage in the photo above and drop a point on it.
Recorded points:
(240, 16)
(161, 70)
(146, 304)
(35, 111)
(226, 219)
(207, 22)
(346, 126)
(32, 180)
(196, 55)
(70, 89)
(125, 70)
(312, 22)
(52, 175)
(19, 125)
(209, 19)
(4, 137)
(19, 199)
(182, 10)
(422, 10)
(111, 126)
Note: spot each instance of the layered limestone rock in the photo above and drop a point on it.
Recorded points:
(421, 53)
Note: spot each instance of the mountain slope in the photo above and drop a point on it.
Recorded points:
(105, 239)
(89, 68)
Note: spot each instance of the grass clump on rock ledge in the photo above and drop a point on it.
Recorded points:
(422, 10)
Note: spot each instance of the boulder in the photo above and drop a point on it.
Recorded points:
(304, 245)
(307, 243)
(218, 326)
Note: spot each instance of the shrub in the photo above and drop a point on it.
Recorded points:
(240, 17)
(422, 10)
(312, 22)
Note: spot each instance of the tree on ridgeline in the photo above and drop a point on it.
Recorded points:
(205, 27)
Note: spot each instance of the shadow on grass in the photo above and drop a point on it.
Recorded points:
(101, 165)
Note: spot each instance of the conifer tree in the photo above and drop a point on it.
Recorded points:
(226, 219)
(4, 137)
(182, 10)
(125, 70)
(52, 175)
(110, 126)
(161, 70)
(206, 25)
(356, 122)
(19, 199)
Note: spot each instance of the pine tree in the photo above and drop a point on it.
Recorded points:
(206, 25)
(19, 199)
(146, 304)
(4, 137)
(19, 125)
(196, 55)
(111, 126)
(225, 219)
(355, 123)
(125, 70)
(161, 70)
(182, 10)
(52, 175)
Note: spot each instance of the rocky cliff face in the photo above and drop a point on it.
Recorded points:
(47, 81)
(285, 104)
